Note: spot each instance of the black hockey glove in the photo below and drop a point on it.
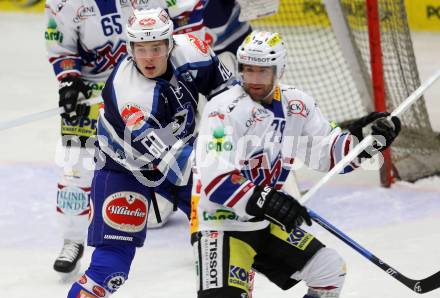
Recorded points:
(277, 207)
(381, 126)
(70, 89)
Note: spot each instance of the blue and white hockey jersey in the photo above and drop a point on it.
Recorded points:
(224, 31)
(148, 124)
(242, 144)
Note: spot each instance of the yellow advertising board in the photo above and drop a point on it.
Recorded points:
(22, 5)
(423, 14)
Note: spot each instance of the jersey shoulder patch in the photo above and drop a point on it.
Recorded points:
(189, 48)
(296, 102)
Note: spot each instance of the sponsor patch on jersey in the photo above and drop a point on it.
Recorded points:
(52, 33)
(84, 12)
(298, 237)
(212, 256)
(241, 256)
(200, 45)
(67, 64)
(219, 144)
(238, 277)
(114, 281)
(72, 200)
(98, 291)
(257, 115)
(125, 211)
(220, 214)
(296, 107)
(133, 116)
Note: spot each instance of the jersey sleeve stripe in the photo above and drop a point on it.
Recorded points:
(66, 64)
(217, 180)
(237, 197)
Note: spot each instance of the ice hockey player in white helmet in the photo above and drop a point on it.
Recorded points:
(249, 137)
(84, 40)
(145, 134)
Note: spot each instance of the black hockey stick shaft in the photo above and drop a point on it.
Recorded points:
(419, 286)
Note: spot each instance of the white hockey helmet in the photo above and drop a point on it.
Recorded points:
(150, 25)
(263, 49)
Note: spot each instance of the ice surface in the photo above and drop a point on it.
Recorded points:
(400, 225)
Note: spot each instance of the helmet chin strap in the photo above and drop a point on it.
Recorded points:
(269, 95)
(275, 84)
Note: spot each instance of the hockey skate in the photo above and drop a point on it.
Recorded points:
(69, 256)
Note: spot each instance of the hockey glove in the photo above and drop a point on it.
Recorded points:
(70, 89)
(381, 126)
(277, 207)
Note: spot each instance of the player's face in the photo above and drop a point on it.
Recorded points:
(151, 57)
(258, 81)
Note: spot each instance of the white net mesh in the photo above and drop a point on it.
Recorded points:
(317, 65)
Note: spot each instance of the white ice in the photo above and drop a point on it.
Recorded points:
(399, 225)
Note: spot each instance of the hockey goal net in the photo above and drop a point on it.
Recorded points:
(329, 58)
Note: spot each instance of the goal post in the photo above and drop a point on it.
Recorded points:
(329, 58)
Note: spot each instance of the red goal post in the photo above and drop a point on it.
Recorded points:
(330, 57)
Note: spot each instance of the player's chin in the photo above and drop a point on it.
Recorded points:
(149, 72)
(257, 93)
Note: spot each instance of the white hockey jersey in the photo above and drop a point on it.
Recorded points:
(242, 143)
(86, 37)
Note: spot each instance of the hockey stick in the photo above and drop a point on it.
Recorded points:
(367, 141)
(420, 286)
(41, 115)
